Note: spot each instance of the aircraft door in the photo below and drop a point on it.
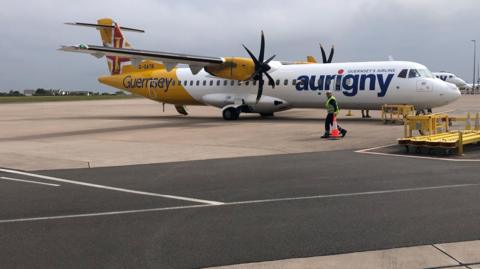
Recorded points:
(152, 91)
(424, 85)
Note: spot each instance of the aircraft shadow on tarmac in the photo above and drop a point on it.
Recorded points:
(216, 119)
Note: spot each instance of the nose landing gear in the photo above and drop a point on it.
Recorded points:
(423, 112)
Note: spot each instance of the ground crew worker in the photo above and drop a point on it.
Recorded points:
(366, 116)
(332, 109)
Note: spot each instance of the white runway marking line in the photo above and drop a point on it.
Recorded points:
(29, 181)
(123, 212)
(368, 151)
(201, 201)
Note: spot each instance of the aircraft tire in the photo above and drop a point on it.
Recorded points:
(420, 112)
(231, 113)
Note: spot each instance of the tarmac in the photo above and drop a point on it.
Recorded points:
(109, 184)
(124, 132)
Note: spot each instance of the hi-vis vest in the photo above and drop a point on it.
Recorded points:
(329, 107)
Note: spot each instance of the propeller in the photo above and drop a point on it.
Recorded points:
(324, 55)
(261, 67)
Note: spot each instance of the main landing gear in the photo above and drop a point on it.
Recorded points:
(231, 113)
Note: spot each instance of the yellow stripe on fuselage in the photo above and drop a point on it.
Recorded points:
(158, 85)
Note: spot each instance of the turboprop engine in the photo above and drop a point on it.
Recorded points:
(236, 68)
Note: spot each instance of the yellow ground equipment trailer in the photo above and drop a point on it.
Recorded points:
(436, 134)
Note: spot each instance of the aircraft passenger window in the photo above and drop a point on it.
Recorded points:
(247, 82)
(225, 82)
(211, 82)
(186, 83)
(179, 83)
(239, 83)
(198, 83)
(218, 82)
(285, 82)
(254, 83)
(403, 73)
(277, 82)
(294, 82)
(191, 82)
(232, 83)
(450, 76)
(413, 73)
(173, 83)
(204, 82)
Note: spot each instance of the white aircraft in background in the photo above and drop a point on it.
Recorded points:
(236, 84)
(452, 78)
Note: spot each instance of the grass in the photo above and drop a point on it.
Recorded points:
(30, 99)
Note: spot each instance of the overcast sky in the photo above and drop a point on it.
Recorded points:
(436, 33)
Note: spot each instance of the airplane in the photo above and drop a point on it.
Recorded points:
(452, 78)
(236, 84)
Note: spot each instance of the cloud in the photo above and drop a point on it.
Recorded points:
(434, 33)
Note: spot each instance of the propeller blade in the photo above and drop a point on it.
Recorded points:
(324, 56)
(257, 63)
(331, 54)
(257, 74)
(270, 80)
(268, 60)
(262, 49)
(261, 67)
(260, 88)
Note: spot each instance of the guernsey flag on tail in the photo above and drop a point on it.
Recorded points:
(113, 37)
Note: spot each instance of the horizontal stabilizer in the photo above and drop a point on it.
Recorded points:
(99, 26)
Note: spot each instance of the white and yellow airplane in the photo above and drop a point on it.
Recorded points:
(236, 84)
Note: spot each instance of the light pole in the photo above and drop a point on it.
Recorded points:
(474, 63)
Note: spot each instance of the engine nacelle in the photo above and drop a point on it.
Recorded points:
(235, 68)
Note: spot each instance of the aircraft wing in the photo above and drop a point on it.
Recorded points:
(170, 60)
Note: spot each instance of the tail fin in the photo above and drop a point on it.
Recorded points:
(113, 37)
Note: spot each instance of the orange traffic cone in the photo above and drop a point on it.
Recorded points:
(334, 133)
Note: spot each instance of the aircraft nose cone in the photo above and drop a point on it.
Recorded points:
(452, 91)
(456, 91)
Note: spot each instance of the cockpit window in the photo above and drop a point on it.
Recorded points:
(425, 73)
(413, 73)
(403, 73)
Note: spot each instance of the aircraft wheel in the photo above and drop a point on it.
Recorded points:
(420, 112)
(230, 113)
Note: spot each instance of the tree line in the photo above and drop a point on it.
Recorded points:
(53, 92)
